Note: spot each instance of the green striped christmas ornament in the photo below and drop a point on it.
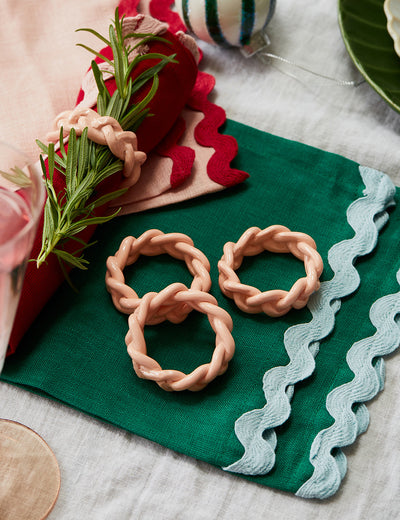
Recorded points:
(229, 23)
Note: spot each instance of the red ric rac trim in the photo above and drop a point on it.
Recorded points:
(206, 132)
(182, 156)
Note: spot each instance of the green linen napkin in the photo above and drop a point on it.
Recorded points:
(75, 352)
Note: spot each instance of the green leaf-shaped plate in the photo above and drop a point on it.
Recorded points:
(363, 27)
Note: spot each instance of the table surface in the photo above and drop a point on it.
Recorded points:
(106, 472)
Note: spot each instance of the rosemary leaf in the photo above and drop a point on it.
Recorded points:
(66, 274)
(75, 202)
(92, 31)
(75, 261)
(145, 38)
(51, 161)
(101, 106)
(42, 146)
(104, 96)
(84, 244)
(107, 198)
(118, 62)
(83, 159)
(113, 106)
(129, 120)
(101, 56)
(48, 223)
(139, 119)
(59, 162)
(43, 166)
(127, 101)
(118, 26)
(78, 226)
(110, 170)
(72, 161)
(62, 147)
(149, 73)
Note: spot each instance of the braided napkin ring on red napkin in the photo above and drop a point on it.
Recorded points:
(175, 84)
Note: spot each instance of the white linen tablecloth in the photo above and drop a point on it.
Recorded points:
(106, 472)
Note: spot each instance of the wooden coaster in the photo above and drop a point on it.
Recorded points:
(29, 474)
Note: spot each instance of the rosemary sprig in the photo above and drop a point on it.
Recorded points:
(86, 164)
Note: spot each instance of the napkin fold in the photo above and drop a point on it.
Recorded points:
(75, 352)
(187, 156)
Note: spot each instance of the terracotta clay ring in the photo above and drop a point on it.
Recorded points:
(175, 380)
(276, 239)
(151, 243)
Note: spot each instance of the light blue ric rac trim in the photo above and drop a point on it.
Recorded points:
(255, 428)
(330, 466)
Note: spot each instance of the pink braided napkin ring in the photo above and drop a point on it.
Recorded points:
(151, 243)
(103, 130)
(276, 239)
(174, 380)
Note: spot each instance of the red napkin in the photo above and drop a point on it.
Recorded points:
(176, 83)
(181, 86)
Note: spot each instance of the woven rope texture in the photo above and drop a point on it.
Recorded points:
(104, 130)
(276, 239)
(151, 243)
(174, 380)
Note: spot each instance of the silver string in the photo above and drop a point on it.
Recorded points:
(258, 47)
(340, 82)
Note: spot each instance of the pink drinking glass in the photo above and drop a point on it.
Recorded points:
(24, 455)
(21, 204)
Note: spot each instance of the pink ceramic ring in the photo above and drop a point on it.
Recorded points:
(174, 380)
(151, 243)
(276, 239)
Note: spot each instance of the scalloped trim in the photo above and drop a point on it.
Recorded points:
(329, 468)
(255, 429)
(182, 156)
(206, 132)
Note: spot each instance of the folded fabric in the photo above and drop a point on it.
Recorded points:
(195, 157)
(40, 283)
(75, 352)
(170, 165)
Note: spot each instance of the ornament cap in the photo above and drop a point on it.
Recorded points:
(258, 42)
